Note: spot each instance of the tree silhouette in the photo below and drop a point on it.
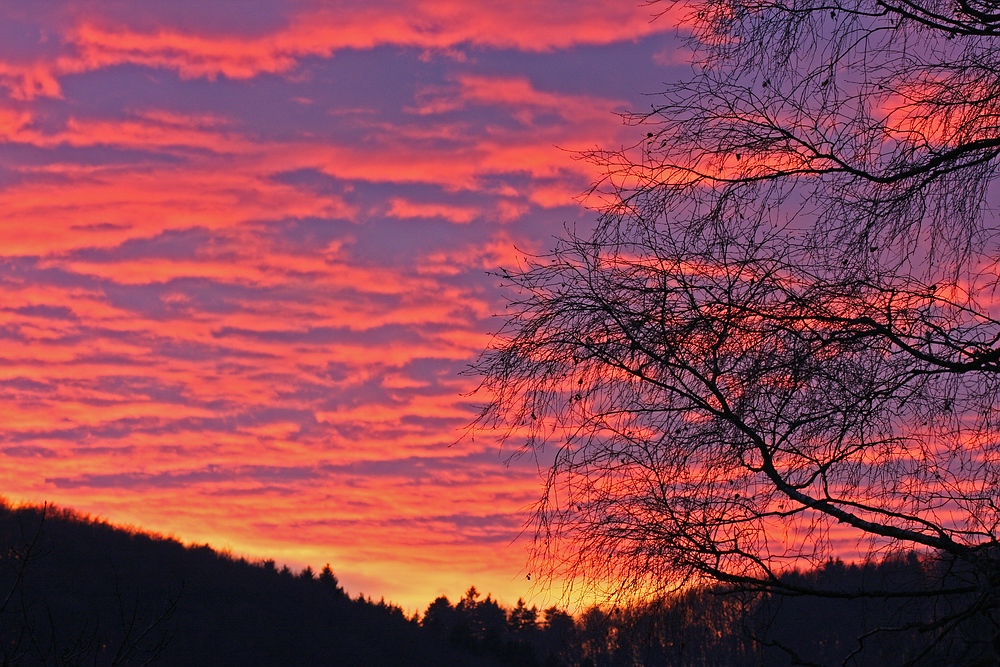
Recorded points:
(522, 619)
(780, 342)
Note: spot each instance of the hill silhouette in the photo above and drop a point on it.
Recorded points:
(77, 591)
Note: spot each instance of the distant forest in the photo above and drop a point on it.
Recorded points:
(75, 591)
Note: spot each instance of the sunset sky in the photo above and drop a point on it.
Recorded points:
(243, 262)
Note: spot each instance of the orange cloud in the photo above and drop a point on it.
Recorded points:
(39, 79)
(436, 25)
(227, 334)
(402, 208)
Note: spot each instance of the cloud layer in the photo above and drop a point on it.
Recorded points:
(244, 262)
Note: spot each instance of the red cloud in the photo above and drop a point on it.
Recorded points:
(99, 40)
(193, 339)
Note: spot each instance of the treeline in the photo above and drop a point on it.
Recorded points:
(75, 591)
(720, 627)
(694, 628)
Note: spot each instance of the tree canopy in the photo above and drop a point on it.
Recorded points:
(781, 341)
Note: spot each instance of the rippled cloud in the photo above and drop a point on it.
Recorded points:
(244, 263)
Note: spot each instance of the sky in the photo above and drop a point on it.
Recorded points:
(244, 248)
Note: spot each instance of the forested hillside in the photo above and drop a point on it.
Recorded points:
(74, 591)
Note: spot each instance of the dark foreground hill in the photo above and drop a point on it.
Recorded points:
(74, 591)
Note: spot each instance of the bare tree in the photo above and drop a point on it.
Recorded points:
(781, 341)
